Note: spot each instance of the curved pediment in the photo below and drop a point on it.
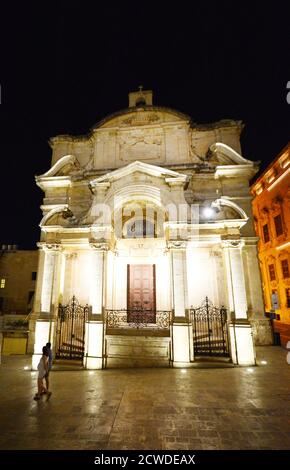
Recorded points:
(222, 154)
(62, 167)
(54, 216)
(228, 209)
(60, 216)
(136, 117)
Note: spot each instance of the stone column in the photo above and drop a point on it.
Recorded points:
(178, 271)
(241, 340)
(94, 334)
(261, 325)
(48, 277)
(69, 272)
(182, 344)
(236, 273)
(97, 282)
(46, 284)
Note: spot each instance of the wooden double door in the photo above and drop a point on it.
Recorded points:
(141, 293)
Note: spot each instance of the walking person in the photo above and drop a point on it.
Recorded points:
(42, 370)
(49, 365)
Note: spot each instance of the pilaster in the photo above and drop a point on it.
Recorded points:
(182, 344)
(94, 333)
(44, 325)
(262, 330)
(240, 330)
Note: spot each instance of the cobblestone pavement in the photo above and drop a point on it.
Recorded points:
(200, 408)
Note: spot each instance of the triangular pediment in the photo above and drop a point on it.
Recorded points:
(140, 167)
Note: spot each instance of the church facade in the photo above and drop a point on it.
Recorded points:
(148, 254)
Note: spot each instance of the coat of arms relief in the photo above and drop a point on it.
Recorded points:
(141, 144)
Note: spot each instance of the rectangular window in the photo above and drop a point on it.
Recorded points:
(2, 283)
(33, 275)
(272, 272)
(278, 225)
(266, 234)
(288, 298)
(285, 268)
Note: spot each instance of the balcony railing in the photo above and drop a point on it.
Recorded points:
(151, 319)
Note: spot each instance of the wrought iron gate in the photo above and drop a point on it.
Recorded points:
(70, 331)
(210, 332)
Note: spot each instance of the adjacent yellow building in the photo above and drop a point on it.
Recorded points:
(271, 210)
(18, 273)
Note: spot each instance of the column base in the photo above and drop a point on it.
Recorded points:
(182, 365)
(182, 345)
(241, 343)
(93, 363)
(262, 331)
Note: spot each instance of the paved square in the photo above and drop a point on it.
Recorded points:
(200, 408)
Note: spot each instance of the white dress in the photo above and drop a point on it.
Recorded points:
(41, 368)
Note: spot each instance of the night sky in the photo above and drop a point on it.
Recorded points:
(66, 65)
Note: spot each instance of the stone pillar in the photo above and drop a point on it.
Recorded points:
(97, 282)
(179, 280)
(241, 340)
(48, 277)
(70, 267)
(236, 278)
(62, 275)
(182, 344)
(46, 284)
(262, 330)
(94, 333)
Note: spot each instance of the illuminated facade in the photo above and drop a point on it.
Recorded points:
(271, 205)
(144, 218)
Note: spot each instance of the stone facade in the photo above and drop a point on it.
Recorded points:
(271, 205)
(149, 187)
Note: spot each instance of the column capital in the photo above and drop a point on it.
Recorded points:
(176, 245)
(99, 245)
(50, 247)
(232, 243)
